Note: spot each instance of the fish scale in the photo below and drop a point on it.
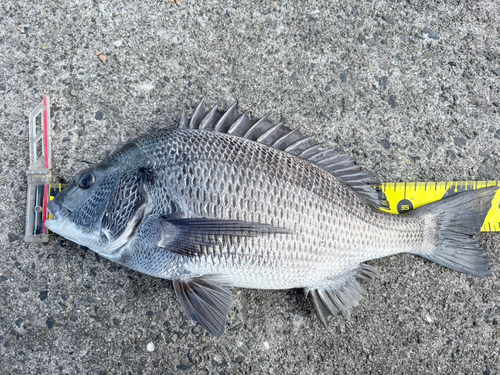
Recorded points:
(306, 192)
(227, 201)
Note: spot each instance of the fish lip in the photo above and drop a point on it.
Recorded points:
(57, 210)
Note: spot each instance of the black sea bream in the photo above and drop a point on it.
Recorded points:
(226, 201)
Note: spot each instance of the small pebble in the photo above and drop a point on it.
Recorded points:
(99, 115)
(239, 359)
(13, 237)
(389, 20)
(431, 34)
(43, 295)
(382, 81)
(150, 347)
(490, 56)
(385, 144)
(459, 141)
(392, 101)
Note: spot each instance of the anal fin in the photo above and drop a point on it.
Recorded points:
(342, 295)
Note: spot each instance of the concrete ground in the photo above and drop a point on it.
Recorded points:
(411, 89)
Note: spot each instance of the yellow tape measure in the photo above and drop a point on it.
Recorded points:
(406, 196)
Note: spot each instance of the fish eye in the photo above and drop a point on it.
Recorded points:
(86, 180)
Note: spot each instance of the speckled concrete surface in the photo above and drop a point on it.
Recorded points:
(411, 89)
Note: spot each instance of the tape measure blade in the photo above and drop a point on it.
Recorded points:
(404, 197)
(492, 220)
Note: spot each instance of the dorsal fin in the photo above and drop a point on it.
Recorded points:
(287, 140)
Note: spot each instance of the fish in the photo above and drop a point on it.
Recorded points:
(224, 200)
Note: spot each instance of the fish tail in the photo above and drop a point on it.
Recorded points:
(449, 226)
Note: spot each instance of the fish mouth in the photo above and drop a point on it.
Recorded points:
(57, 210)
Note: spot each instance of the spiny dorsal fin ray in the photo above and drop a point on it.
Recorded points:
(198, 115)
(307, 153)
(293, 142)
(287, 140)
(258, 128)
(270, 135)
(241, 125)
(184, 121)
(300, 145)
(227, 119)
(211, 119)
(342, 295)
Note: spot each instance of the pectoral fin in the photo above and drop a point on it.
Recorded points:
(206, 299)
(195, 236)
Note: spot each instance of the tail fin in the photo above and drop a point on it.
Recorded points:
(450, 223)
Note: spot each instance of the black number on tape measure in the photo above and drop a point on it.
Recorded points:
(404, 206)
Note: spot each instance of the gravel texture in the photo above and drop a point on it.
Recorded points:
(411, 89)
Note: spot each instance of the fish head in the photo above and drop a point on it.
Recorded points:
(103, 205)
